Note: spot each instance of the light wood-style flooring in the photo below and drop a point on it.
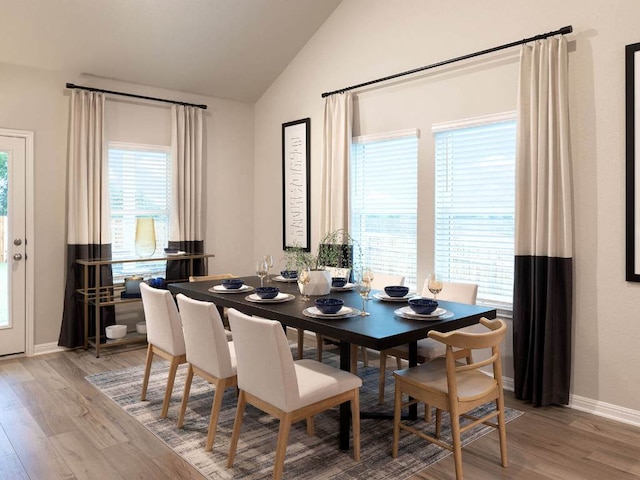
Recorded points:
(55, 425)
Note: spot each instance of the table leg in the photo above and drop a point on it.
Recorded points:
(345, 408)
(413, 361)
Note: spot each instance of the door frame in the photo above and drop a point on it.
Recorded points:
(28, 137)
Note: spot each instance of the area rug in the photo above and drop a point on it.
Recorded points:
(316, 457)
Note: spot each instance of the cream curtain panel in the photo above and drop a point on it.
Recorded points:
(544, 227)
(187, 214)
(88, 212)
(336, 146)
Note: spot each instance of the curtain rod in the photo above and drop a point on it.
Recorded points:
(99, 90)
(561, 31)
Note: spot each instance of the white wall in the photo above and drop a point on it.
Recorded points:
(37, 100)
(367, 39)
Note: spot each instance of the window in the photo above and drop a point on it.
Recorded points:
(475, 205)
(384, 201)
(139, 186)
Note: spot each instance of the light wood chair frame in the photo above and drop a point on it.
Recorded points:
(459, 345)
(286, 419)
(220, 385)
(174, 361)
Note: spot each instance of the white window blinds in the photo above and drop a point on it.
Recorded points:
(139, 186)
(475, 206)
(383, 202)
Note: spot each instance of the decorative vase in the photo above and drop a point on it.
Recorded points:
(320, 283)
(145, 237)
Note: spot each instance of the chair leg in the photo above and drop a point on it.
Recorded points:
(233, 444)
(438, 422)
(319, 343)
(427, 413)
(365, 357)
(502, 430)
(311, 429)
(220, 386)
(147, 372)
(397, 411)
(455, 437)
(300, 343)
(185, 395)
(281, 448)
(355, 420)
(381, 377)
(354, 359)
(399, 362)
(167, 394)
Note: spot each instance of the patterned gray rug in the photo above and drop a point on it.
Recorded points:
(316, 457)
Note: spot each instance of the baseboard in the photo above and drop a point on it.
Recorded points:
(607, 410)
(44, 348)
(594, 407)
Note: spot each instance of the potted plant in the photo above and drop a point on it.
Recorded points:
(335, 249)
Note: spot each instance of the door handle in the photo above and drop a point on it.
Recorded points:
(17, 256)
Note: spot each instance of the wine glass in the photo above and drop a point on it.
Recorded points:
(261, 270)
(304, 277)
(363, 287)
(268, 259)
(434, 284)
(367, 276)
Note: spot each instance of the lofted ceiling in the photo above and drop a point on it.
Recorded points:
(229, 49)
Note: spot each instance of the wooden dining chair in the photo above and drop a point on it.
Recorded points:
(209, 355)
(270, 380)
(380, 280)
(164, 337)
(456, 387)
(428, 349)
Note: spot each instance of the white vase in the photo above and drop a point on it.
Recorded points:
(320, 283)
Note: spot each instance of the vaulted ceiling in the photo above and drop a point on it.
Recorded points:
(229, 49)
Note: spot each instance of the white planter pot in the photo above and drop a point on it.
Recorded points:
(320, 283)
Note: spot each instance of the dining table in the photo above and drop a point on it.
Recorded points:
(382, 329)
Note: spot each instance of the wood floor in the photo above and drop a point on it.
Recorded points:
(55, 425)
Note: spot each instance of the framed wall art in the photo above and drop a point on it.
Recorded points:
(296, 166)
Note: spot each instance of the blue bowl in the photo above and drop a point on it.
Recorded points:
(423, 306)
(338, 282)
(267, 293)
(329, 305)
(396, 291)
(232, 283)
(171, 250)
(289, 274)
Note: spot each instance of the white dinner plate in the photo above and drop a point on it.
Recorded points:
(347, 287)
(438, 314)
(175, 254)
(281, 297)
(222, 289)
(280, 278)
(386, 298)
(342, 313)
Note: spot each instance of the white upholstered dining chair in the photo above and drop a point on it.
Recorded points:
(164, 337)
(428, 349)
(269, 379)
(209, 355)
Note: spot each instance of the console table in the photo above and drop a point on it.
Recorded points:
(99, 296)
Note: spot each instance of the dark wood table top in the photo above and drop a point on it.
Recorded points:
(380, 330)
